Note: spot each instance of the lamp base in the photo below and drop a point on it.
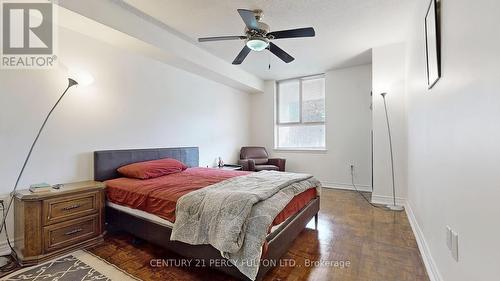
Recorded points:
(396, 208)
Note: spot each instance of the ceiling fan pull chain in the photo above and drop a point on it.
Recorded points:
(269, 61)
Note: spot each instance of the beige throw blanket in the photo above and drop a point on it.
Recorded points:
(234, 215)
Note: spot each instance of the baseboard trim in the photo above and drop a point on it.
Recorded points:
(346, 186)
(430, 264)
(386, 200)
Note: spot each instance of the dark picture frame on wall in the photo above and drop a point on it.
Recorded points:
(432, 43)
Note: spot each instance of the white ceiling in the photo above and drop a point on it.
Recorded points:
(346, 30)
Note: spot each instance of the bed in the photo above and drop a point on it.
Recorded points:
(155, 226)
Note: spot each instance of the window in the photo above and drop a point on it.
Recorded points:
(300, 113)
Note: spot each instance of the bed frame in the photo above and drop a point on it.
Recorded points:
(105, 165)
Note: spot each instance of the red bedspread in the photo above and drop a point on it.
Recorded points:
(159, 196)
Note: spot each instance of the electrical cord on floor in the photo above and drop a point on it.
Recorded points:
(12, 263)
(360, 193)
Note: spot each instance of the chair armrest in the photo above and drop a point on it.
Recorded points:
(247, 164)
(280, 162)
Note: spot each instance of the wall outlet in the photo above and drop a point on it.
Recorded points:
(454, 245)
(448, 237)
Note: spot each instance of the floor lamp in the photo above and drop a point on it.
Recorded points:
(71, 83)
(393, 206)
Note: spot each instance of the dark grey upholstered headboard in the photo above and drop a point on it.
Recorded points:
(107, 161)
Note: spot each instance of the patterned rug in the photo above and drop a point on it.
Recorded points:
(79, 265)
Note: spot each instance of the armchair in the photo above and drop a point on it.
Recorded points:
(253, 158)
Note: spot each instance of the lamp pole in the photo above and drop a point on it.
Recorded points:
(71, 83)
(392, 207)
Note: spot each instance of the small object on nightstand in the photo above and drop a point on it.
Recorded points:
(230, 167)
(220, 163)
(49, 224)
(40, 187)
(44, 187)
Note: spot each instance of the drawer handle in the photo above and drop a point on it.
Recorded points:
(74, 231)
(69, 208)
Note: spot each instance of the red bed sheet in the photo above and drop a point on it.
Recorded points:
(159, 196)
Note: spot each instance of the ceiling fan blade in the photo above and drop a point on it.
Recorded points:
(293, 33)
(284, 56)
(249, 18)
(242, 55)
(220, 38)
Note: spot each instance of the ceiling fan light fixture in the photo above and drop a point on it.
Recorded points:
(257, 44)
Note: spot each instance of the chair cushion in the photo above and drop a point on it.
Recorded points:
(266, 167)
(260, 161)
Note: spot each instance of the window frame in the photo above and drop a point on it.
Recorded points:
(278, 123)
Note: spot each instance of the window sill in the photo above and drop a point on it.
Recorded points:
(304, 150)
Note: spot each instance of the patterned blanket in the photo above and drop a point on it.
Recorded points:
(234, 215)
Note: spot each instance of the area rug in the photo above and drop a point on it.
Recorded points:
(79, 265)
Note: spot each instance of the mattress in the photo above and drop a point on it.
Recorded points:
(156, 219)
(158, 196)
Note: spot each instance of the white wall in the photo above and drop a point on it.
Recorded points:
(135, 102)
(454, 139)
(348, 125)
(388, 76)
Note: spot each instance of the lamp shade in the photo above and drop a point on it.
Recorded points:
(83, 78)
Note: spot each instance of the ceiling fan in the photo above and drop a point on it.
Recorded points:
(258, 37)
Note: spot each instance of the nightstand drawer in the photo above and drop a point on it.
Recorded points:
(68, 207)
(68, 233)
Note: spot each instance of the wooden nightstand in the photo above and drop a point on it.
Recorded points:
(59, 221)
